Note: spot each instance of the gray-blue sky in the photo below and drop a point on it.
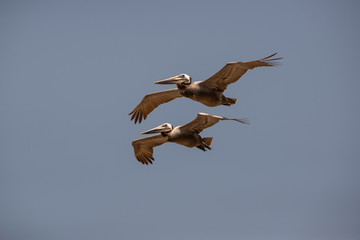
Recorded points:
(71, 71)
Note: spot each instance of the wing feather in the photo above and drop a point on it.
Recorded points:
(233, 71)
(204, 120)
(143, 148)
(152, 101)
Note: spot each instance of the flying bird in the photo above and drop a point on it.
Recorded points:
(208, 92)
(187, 135)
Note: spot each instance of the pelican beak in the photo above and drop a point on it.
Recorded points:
(157, 129)
(173, 80)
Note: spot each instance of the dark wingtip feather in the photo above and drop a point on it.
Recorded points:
(132, 117)
(270, 61)
(136, 117)
(269, 56)
(242, 120)
(274, 59)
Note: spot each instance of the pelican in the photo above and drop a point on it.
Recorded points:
(187, 135)
(208, 92)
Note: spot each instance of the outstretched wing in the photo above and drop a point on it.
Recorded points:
(233, 71)
(204, 120)
(152, 101)
(143, 148)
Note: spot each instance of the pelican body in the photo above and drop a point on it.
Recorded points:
(187, 135)
(207, 96)
(208, 92)
(187, 138)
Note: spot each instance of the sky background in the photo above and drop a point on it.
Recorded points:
(71, 71)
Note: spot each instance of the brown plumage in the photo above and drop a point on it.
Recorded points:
(152, 101)
(233, 71)
(143, 148)
(208, 92)
(187, 135)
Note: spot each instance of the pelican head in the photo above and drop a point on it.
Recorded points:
(179, 79)
(163, 128)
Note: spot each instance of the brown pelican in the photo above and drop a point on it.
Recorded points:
(187, 135)
(208, 92)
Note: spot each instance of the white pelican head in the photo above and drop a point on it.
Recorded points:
(178, 79)
(163, 128)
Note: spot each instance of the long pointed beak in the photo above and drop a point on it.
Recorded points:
(158, 129)
(172, 80)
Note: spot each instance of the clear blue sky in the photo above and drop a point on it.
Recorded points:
(71, 71)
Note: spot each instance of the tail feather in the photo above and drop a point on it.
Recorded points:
(205, 143)
(208, 140)
(231, 101)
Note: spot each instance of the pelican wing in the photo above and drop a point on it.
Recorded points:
(204, 120)
(152, 101)
(143, 148)
(233, 71)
